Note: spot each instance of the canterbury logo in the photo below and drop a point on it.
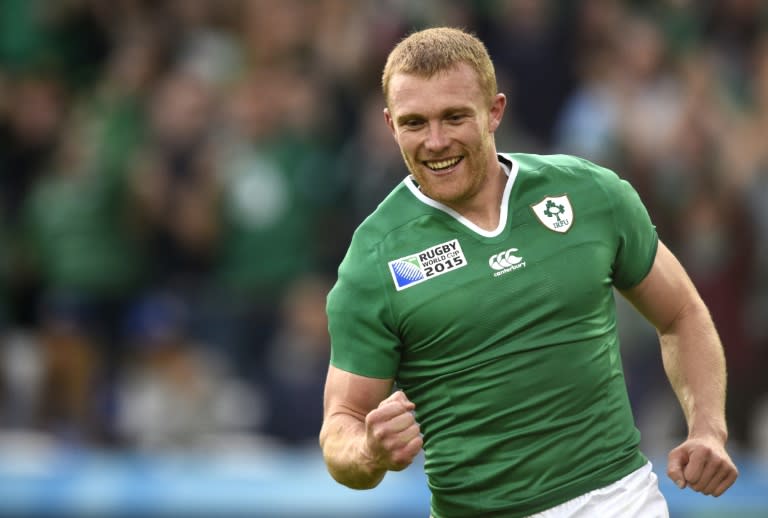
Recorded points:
(504, 260)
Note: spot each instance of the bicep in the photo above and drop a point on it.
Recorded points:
(665, 293)
(352, 394)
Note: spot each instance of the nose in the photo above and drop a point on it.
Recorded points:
(436, 138)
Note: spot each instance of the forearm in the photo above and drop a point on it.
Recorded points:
(343, 442)
(695, 365)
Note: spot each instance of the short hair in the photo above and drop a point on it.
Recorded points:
(430, 51)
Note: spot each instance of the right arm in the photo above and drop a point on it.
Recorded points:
(367, 430)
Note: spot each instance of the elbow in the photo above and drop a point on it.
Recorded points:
(353, 475)
(341, 449)
(357, 483)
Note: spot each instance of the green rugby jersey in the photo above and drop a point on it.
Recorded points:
(505, 340)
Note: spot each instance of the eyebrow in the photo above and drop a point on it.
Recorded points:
(401, 119)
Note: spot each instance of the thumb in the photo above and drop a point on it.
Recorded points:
(676, 462)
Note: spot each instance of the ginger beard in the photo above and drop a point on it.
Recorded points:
(457, 183)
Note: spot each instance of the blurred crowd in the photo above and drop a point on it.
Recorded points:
(179, 180)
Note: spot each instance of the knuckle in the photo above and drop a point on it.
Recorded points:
(372, 418)
(378, 433)
(400, 460)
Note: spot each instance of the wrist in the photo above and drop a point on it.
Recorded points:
(716, 431)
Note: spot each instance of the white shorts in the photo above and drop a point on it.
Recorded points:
(635, 496)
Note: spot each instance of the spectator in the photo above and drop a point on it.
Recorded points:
(36, 109)
(297, 362)
(175, 393)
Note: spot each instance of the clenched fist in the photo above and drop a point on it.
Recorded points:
(393, 437)
(703, 465)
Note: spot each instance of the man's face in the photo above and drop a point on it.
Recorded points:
(444, 127)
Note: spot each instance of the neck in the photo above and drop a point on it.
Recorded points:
(484, 209)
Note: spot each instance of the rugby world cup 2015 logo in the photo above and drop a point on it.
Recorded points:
(429, 263)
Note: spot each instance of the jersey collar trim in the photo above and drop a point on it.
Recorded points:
(510, 167)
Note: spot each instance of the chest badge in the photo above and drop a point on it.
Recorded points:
(427, 264)
(555, 213)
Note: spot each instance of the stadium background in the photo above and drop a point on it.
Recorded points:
(179, 180)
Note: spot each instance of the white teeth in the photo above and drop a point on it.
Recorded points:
(442, 164)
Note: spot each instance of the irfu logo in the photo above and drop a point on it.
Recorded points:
(554, 209)
(555, 213)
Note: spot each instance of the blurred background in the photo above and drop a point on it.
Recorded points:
(179, 180)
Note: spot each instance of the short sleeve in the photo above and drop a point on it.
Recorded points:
(637, 237)
(363, 337)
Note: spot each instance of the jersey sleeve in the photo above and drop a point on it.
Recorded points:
(363, 337)
(637, 237)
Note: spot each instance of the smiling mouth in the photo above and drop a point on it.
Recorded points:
(442, 165)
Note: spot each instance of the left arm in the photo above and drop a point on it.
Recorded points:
(695, 365)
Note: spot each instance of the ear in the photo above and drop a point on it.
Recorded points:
(496, 112)
(390, 122)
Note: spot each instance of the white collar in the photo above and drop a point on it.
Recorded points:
(511, 173)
